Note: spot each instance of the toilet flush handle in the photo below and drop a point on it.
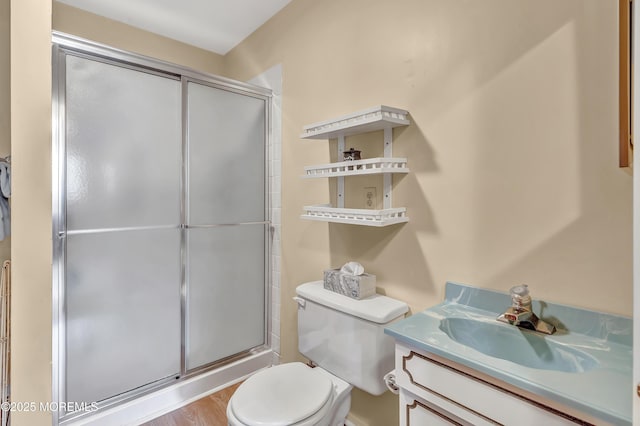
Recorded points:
(301, 302)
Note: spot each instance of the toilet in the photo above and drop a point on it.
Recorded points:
(345, 338)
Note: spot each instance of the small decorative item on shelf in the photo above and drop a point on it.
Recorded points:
(350, 281)
(351, 155)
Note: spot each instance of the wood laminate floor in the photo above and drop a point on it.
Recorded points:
(208, 411)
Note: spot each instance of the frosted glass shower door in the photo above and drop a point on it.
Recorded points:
(225, 292)
(227, 224)
(122, 172)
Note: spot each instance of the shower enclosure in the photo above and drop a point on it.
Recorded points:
(161, 224)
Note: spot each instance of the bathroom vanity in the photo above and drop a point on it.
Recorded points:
(456, 364)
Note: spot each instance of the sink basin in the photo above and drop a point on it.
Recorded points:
(523, 347)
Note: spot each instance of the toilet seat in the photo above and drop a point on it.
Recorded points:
(287, 394)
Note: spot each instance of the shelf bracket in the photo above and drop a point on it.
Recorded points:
(387, 182)
(340, 179)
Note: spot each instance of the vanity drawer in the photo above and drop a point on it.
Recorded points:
(459, 392)
(415, 411)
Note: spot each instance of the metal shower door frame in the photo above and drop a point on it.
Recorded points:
(64, 45)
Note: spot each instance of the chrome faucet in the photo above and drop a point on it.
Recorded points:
(520, 313)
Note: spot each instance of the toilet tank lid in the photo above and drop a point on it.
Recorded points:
(377, 308)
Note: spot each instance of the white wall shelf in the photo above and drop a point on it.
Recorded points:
(326, 213)
(368, 120)
(373, 119)
(370, 166)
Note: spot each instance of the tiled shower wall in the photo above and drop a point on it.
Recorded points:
(272, 79)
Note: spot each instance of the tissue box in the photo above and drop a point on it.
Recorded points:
(354, 286)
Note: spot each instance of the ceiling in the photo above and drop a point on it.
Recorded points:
(214, 25)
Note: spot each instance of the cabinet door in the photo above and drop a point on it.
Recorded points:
(418, 412)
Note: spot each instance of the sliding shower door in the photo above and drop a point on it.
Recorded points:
(161, 224)
(122, 228)
(227, 224)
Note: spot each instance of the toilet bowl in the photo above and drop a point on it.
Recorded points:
(345, 338)
(290, 394)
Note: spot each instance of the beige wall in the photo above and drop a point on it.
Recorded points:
(512, 148)
(31, 205)
(74, 21)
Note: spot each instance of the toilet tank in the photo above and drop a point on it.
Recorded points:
(346, 336)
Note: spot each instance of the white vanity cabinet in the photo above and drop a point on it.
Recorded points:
(434, 391)
(383, 118)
